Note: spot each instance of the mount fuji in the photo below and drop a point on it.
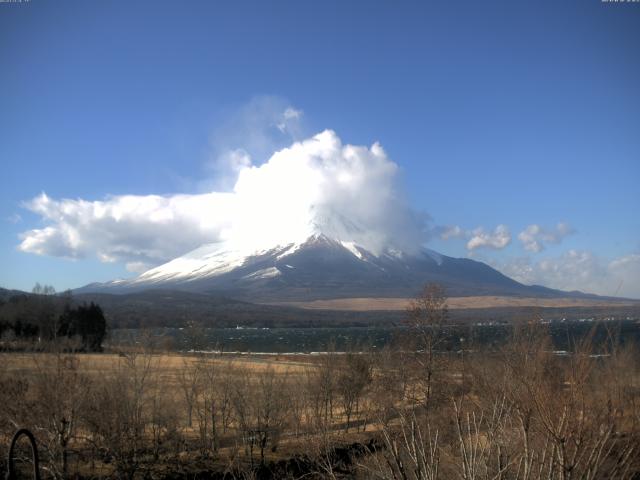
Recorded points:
(330, 259)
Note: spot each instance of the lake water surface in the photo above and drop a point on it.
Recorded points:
(309, 340)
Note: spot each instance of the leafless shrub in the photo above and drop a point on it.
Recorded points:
(61, 391)
(353, 378)
(212, 400)
(261, 409)
(189, 381)
(411, 452)
(117, 415)
(321, 388)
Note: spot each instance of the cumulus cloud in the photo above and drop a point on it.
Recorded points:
(579, 270)
(317, 184)
(148, 229)
(477, 238)
(347, 190)
(534, 237)
(497, 240)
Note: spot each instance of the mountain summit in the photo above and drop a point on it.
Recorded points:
(320, 266)
(314, 251)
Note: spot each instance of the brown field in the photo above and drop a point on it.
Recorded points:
(167, 364)
(146, 414)
(454, 303)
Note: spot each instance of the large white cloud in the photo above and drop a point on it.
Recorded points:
(349, 191)
(579, 270)
(137, 229)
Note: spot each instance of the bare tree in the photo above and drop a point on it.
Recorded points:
(61, 392)
(426, 316)
(211, 402)
(298, 402)
(352, 380)
(162, 414)
(261, 410)
(410, 452)
(189, 381)
(321, 385)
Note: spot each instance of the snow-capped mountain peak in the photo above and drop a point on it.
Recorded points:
(331, 257)
(221, 258)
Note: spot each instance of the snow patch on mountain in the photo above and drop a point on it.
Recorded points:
(270, 272)
(289, 250)
(353, 248)
(205, 261)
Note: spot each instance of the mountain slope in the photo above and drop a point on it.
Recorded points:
(320, 267)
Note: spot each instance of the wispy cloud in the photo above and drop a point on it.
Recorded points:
(289, 116)
(497, 240)
(477, 238)
(250, 135)
(448, 232)
(137, 267)
(15, 218)
(578, 270)
(535, 237)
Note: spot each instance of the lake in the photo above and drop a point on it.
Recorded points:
(564, 335)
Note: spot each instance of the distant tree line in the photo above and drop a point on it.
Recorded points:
(43, 316)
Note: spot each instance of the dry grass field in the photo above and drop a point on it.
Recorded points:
(258, 404)
(408, 412)
(454, 303)
(168, 365)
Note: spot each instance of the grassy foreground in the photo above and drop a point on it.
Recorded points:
(410, 412)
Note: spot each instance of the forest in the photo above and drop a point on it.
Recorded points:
(42, 318)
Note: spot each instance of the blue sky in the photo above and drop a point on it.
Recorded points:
(512, 114)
